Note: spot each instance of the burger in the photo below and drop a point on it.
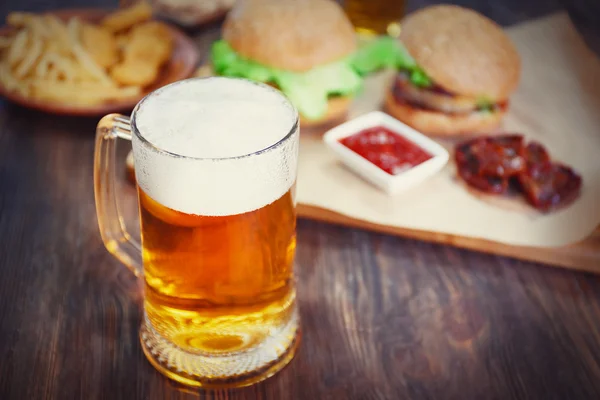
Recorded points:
(305, 48)
(458, 73)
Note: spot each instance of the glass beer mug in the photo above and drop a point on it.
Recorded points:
(215, 165)
(375, 17)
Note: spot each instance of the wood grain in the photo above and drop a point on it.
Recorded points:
(383, 317)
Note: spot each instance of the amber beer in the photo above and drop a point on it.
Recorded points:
(215, 165)
(375, 16)
(218, 284)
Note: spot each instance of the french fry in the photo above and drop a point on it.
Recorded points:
(128, 17)
(64, 93)
(80, 93)
(83, 74)
(63, 66)
(11, 83)
(53, 74)
(42, 68)
(19, 19)
(17, 48)
(83, 57)
(40, 27)
(32, 21)
(6, 77)
(60, 43)
(33, 52)
(5, 42)
(122, 40)
(100, 44)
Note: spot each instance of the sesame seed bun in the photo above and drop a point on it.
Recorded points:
(438, 123)
(462, 51)
(291, 35)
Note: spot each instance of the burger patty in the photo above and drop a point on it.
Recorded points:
(432, 98)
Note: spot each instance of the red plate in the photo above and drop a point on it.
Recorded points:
(181, 65)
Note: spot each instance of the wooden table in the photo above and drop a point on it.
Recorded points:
(383, 317)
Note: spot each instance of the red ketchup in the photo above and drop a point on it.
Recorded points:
(386, 149)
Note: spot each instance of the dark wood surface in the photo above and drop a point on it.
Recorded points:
(383, 317)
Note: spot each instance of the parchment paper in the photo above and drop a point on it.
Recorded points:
(557, 103)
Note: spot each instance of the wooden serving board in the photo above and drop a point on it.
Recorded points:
(582, 256)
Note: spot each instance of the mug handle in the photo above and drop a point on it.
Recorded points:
(112, 227)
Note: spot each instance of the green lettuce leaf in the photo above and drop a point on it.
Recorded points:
(222, 55)
(387, 52)
(383, 52)
(308, 91)
(307, 96)
(228, 63)
(249, 70)
(338, 78)
(419, 78)
(485, 104)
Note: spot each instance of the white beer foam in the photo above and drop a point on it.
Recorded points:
(216, 124)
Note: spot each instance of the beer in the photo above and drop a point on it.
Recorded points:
(215, 164)
(218, 283)
(375, 16)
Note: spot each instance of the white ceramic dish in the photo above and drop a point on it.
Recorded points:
(390, 183)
